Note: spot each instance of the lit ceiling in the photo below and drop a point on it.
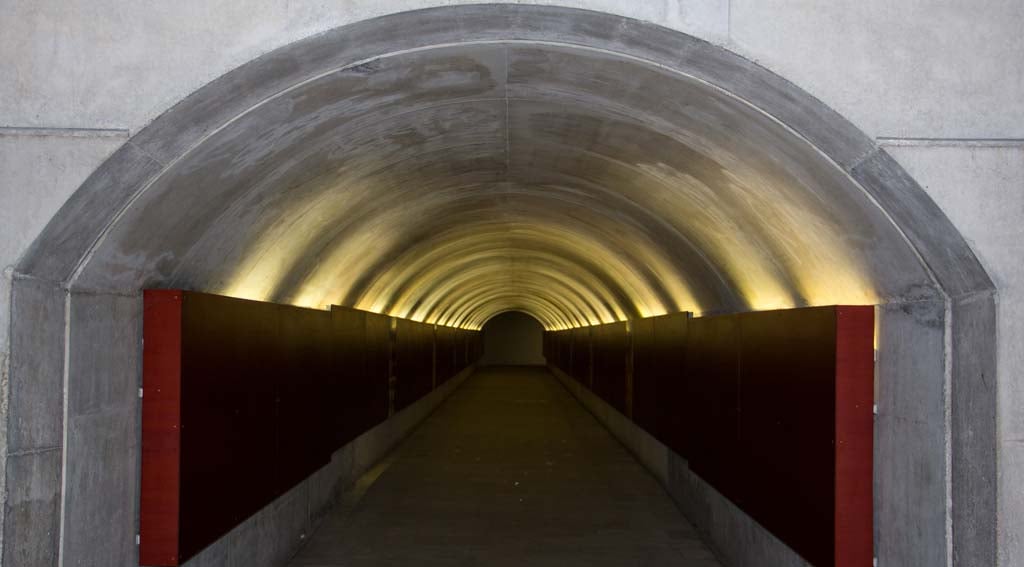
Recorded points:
(451, 184)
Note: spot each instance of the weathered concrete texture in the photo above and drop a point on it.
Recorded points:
(911, 436)
(34, 419)
(103, 432)
(34, 424)
(509, 471)
(922, 69)
(97, 68)
(974, 439)
(979, 187)
(942, 247)
(32, 508)
(1011, 501)
(78, 224)
(271, 536)
(949, 55)
(736, 538)
(38, 172)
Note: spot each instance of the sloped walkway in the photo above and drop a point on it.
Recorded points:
(511, 470)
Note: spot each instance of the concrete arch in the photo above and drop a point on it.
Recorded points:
(664, 173)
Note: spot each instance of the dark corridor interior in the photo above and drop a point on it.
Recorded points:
(506, 462)
(510, 470)
(513, 338)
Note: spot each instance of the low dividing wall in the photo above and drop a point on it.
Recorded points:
(760, 424)
(244, 401)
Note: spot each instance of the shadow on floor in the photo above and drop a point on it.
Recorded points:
(511, 470)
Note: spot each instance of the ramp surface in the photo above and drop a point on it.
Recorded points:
(511, 470)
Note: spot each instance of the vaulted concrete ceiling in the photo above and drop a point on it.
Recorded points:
(452, 183)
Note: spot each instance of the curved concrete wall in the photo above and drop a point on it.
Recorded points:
(447, 184)
(815, 211)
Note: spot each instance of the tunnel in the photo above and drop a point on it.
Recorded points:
(475, 190)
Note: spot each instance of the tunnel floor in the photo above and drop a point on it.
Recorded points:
(510, 470)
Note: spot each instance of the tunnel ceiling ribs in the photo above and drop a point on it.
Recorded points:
(452, 183)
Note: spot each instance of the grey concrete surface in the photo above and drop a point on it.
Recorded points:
(39, 171)
(513, 338)
(911, 435)
(103, 431)
(979, 185)
(34, 425)
(32, 507)
(974, 436)
(511, 470)
(99, 66)
(735, 537)
(108, 64)
(908, 69)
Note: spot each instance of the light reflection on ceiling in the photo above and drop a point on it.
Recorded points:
(454, 183)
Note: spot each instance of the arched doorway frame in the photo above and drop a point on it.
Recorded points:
(945, 345)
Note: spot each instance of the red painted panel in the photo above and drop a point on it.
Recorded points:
(854, 422)
(161, 419)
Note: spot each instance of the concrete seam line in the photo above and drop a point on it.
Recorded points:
(35, 451)
(897, 142)
(32, 131)
(64, 431)
(947, 418)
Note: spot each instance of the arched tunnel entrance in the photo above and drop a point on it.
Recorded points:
(445, 166)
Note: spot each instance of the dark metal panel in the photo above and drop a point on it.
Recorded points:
(414, 361)
(231, 358)
(669, 374)
(581, 356)
(712, 411)
(779, 420)
(304, 394)
(610, 342)
(349, 382)
(378, 366)
(786, 426)
(645, 367)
